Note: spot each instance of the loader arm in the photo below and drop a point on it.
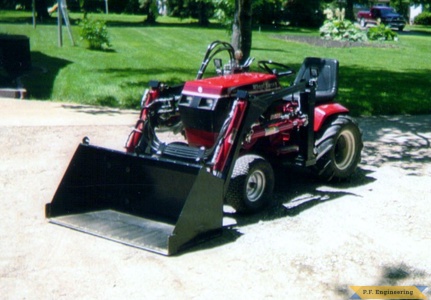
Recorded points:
(256, 106)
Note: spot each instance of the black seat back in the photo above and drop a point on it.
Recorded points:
(327, 76)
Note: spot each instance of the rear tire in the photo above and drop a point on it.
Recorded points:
(251, 185)
(338, 146)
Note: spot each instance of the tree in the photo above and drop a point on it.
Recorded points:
(304, 13)
(350, 15)
(242, 27)
(202, 10)
(266, 12)
(41, 10)
(149, 8)
(425, 3)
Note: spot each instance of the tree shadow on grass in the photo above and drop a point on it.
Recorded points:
(283, 50)
(371, 91)
(132, 75)
(39, 81)
(133, 72)
(28, 19)
(18, 19)
(376, 92)
(178, 24)
(414, 32)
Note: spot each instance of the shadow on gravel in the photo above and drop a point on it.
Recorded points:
(228, 235)
(296, 190)
(392, 275)
(93, 110)
(404, 141)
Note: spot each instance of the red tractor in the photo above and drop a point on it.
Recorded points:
(237, 127)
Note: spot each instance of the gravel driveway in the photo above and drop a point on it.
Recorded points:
(318, 240)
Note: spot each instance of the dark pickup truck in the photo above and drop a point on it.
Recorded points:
(387, 16)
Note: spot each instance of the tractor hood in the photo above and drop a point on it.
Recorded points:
(227, 86)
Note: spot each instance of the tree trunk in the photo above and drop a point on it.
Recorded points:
(349, 10)
(242, 25)
(150, 9)
(41, 10)
(203, 17)
(151, 18)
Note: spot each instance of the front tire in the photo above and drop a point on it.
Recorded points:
(338, 146)
(251, 185)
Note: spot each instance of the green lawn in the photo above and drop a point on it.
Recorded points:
(391, 79)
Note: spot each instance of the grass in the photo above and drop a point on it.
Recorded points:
(390, 79)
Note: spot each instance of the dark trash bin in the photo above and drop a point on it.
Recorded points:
(15, 56)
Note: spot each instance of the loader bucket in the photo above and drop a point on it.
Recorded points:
(145, 202)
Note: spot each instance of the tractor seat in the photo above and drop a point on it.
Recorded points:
(327, 77)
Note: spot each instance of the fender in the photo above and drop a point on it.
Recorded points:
(322, 112)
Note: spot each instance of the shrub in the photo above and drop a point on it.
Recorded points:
(339, 29)
(95, 33)
(303, 13)
(423, 18)
(381, 33)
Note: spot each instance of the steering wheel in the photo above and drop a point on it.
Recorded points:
(271, 67)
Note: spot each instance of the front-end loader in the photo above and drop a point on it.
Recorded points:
(237, 126)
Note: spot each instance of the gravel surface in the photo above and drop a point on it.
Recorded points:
(313, 244)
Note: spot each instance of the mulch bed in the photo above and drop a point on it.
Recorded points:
(317, 41)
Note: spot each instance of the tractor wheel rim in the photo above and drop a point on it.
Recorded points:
(255, 185)
(344, 150)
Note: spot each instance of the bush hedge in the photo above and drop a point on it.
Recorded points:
(423, 18)
(95, 33)
(381, 33)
